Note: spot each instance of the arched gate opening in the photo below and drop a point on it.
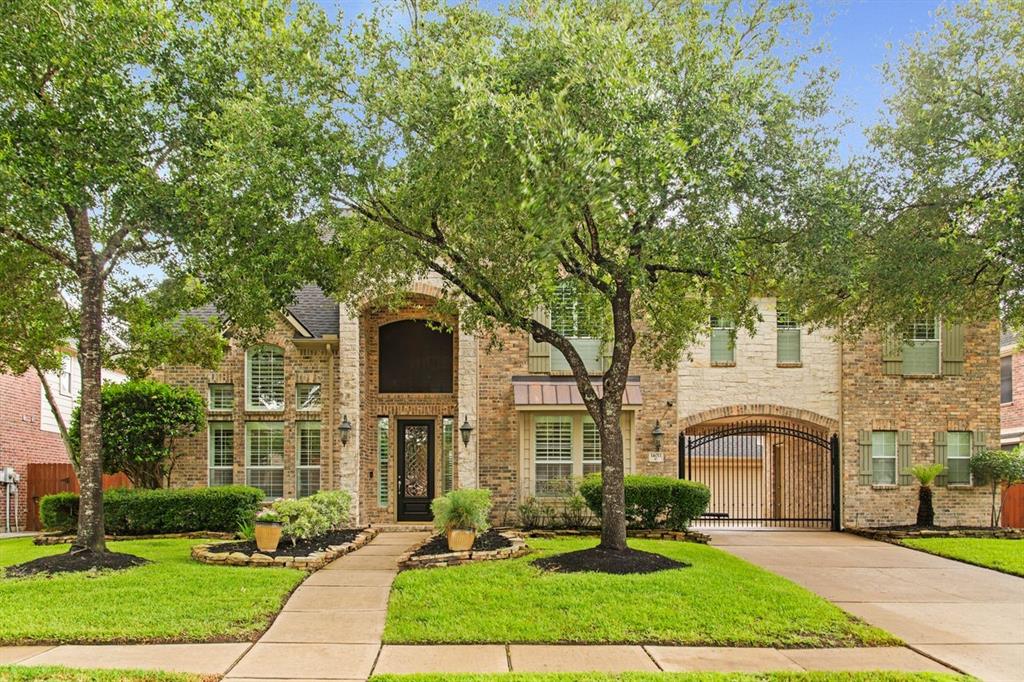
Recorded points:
(764, 473)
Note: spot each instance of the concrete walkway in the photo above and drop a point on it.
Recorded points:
(970, 618)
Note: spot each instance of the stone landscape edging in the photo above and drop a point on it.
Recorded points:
(653, 534)
(196, 535)
(518, 549)
(310, 562)
(895, 535)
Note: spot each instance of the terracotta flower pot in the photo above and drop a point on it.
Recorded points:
(461, 540)
(268, 534)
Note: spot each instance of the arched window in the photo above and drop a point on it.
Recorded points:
(264, 378)
(414, 358)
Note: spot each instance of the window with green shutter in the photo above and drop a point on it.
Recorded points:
(723, 346)
(788, 333)
(921, 348)
(571, 319)
(958, 458)
(883, 457)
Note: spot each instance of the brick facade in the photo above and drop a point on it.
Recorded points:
(22, 438)
(1011, 414)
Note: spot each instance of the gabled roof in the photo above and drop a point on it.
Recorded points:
(313, 313)
(1008, 339)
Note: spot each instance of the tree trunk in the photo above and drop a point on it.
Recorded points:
(925, 509)
(91, 530)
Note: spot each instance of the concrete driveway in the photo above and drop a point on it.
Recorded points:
(969, 618)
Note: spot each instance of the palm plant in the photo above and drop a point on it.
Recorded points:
(925, 475)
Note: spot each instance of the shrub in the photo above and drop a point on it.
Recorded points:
(575, 512)
(998, 468)
(651, 500)
(150, 512)
(302, 518)
(462, 509)
(333, 504)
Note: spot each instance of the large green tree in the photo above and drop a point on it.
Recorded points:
(127, 135)
(663, 158)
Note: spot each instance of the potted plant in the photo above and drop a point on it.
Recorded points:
(268, 530)
(925, 474)
(461, 514)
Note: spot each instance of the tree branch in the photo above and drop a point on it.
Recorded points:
(50, 252)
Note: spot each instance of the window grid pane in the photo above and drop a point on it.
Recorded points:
(307, 456)
(553, 454)
(923, 329)
(221, 453)
(788, 345)
(883, 457)
(958, 457)
(1006, 379)
(591, 447)
(307, 396)
(383, 452)
(265, 458)
(921, 357)
(222, 397)
(266, 378)
(447, 454)
(722, 348)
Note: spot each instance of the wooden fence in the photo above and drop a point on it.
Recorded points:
(47, 479)
(1013, 507)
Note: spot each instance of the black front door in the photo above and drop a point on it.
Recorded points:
(415, 469)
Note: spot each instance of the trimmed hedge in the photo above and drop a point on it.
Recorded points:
(653, 501)
(149, 512)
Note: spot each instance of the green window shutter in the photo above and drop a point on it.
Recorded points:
(940, 455)
(979, 442)
(952, 349)
(864, 446)
(892, 354)
(904, 458)
(539, 360)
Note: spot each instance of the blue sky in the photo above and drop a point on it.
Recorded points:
(858, 31)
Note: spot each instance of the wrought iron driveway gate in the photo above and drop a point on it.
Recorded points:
(764, 473)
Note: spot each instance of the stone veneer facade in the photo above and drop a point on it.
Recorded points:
(833, 390)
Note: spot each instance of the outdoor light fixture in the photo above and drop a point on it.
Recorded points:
(465, 430)
(658, 435)
(345, 428)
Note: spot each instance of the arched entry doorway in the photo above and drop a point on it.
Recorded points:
(764, 472)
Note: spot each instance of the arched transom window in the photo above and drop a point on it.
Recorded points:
(264, 377)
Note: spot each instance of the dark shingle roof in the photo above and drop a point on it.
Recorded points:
(316, 311)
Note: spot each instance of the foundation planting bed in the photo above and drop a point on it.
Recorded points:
(309, 555)
(489, 546)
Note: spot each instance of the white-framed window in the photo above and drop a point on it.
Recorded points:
(883, 457)
(307, 397)
(552, 454)
(383, 460)
(264, 378)
(570, 318)
(591, 447)
(447, 454)
(264, 457)
(307, 458)
(958, 457)
(221, 448)
(65, 378)
(921, 349)
(723, 345)
(222, 397)
(788, 334)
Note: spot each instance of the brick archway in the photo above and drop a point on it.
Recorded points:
(761, 410)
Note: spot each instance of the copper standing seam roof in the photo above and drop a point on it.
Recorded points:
(531, 391)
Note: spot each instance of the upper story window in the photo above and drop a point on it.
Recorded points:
(723, 346)
(222, 397)
(788, 333)
(414, 357)
(264, 375)
(921, 350)
(570, 318)
(1006, 379)
(307, 397)
(64, 386)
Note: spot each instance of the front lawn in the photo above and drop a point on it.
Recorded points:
(52, 673)
(682, 677)
(719, 600)
(173, 599)
(996, 553)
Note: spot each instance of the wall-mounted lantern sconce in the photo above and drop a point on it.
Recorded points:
(465, 430)
(658, 435)
(344, 429)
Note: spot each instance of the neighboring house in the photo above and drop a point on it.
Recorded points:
(28, 429)
(1011, 391)
(786, 426)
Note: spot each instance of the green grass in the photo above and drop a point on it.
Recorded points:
(680, 677)
(719, 600)
(173, 599)
(52, 673)
(996, 553)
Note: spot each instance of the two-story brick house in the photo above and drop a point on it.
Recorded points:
(786, 425)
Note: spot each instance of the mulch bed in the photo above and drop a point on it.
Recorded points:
(76, 562)
(438, 544)
(598, 560)
(285, 547)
